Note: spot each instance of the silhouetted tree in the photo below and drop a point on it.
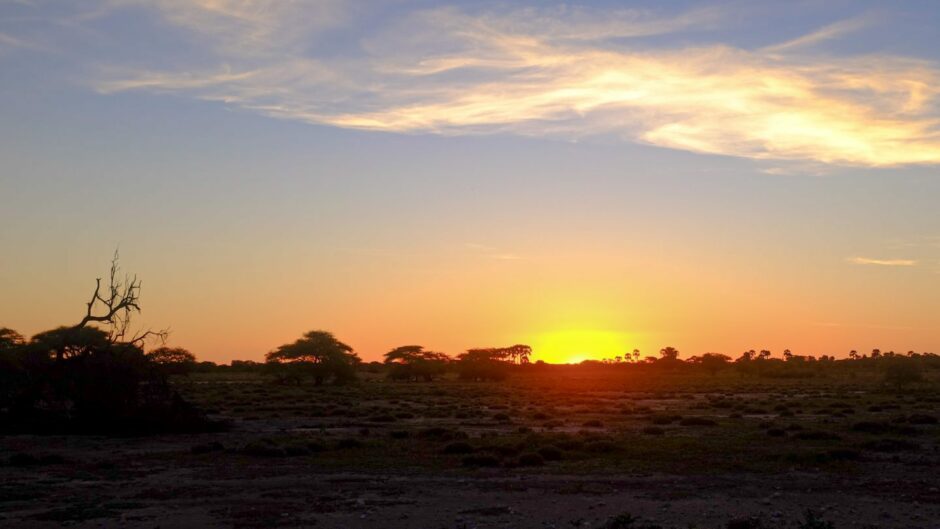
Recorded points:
(483, 364)
(319, 354)
(669, 353)
(712, 362)
(10, 339)
(518, 353)
(636, 355)
(902, 372)
(115, 307)
(412, 362)
(174, 360)
(84, 378)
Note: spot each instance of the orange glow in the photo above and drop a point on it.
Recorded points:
(572, 346)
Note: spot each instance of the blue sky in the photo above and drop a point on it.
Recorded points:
(716, 175)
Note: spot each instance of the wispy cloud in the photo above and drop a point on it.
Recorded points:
(882, 262)
(559, 72)
(823, 34)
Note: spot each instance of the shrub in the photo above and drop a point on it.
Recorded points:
(348, 442)
(697, 421)
(480, 460)
(458, 447)
(812, 520)
(551, 453)
(530, 459)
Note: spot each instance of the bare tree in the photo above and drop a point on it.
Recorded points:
(116, 306)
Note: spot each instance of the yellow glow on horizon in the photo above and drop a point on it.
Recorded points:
(572, 346)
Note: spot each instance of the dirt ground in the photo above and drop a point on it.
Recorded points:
(353, 458)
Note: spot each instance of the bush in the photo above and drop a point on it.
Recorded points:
(812, 520)
(551, 453)
(697, 421)
(480, 460)
(530, 459)
(458, 447)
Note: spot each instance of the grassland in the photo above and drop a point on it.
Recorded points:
(551, 447)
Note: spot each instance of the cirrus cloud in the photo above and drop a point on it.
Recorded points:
(561, 72)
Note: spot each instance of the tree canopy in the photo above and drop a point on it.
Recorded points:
(320, 353)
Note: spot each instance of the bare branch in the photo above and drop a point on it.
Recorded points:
(117, 307)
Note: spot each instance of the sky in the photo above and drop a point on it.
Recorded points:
(587, 178)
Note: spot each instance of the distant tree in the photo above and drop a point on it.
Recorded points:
(483, 364)
(10, 339)
(636, 355)
(764, 354)
(746, 356)
(412, 362)
(787, 355)
(174, 360)
(712, 362)
(853, 354)
(63, 343)
(901, 373)
(318, 353)
(669, 353)
(876, 353)
(518, 353)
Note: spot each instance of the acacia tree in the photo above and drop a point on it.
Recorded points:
(669, 353)
(412, 362)
(173, 359)
(10, 339)
(320, 354)
(712, 362)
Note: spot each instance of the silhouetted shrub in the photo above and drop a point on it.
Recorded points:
(530, 459)
(480, 460)
(748, 522)
(205, 448)
(697, 421)
(348, 442)
(890, 445)
(458, 447)
(812, 520)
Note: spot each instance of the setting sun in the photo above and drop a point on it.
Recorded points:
(572, 346)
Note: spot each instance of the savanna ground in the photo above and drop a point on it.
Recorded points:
(554, 447)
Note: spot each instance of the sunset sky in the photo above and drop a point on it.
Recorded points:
(586, 178)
